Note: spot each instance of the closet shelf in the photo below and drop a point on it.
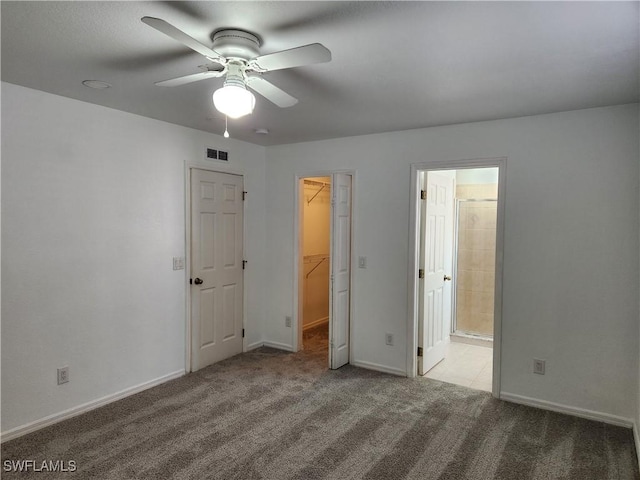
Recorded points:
(322, 186)
(317, 259)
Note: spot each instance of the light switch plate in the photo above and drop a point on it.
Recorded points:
(178, 263)
(362, 262)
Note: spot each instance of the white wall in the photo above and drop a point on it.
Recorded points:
(637, 418)
(93, 210)
(571, 246)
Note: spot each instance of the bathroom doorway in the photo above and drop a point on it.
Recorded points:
(457, 218)
(469, 357)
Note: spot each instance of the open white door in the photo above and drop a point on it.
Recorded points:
(216, 267)
(340, 295)
(436, 248)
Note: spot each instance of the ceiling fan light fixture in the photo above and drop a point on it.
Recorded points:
(234, 100)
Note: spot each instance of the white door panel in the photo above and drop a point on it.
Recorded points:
(340, 271)
(216, 262)
(436, 249)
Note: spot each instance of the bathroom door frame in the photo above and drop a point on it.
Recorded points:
(298, 265)
(414, 257)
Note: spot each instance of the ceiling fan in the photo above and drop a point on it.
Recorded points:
(235, 55)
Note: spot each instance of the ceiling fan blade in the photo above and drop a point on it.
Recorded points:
(181, 37)
(295, 57)
(196, 77)
(272, 93)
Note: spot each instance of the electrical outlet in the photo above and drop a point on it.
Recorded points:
(287, 322)
(388, 338)
(63, 375)
(538, 366)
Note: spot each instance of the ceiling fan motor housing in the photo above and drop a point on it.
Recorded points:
(235, 75)
(236, 44)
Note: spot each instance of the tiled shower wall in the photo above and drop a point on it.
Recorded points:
(476, 258)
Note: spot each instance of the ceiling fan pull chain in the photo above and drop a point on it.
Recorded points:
(226, 131)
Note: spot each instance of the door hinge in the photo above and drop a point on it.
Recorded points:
(419, 351)
(244, 264)
(244, 195)
(423, 194)
(243, 333)
(421, 273)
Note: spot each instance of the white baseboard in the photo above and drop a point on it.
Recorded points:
(477, 340)
(279, 346)
(85, 407)
(569, 410)
(315, 323)
(253, 346)
(636, 437)
(378, 367)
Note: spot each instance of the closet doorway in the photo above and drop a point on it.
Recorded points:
(316, 265)
(323, 251)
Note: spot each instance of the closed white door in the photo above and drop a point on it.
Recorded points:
(436, 235)
(340, 271)
(216, 267)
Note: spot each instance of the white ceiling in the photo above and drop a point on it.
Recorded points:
(395, 65)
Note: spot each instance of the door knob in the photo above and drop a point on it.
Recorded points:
(447, 278)
(198, 281)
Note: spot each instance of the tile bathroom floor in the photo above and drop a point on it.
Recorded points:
(467, 365)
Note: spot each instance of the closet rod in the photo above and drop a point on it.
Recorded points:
(316, 182)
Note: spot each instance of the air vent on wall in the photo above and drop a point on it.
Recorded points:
(213, 154)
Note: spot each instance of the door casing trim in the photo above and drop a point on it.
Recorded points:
(414, 247)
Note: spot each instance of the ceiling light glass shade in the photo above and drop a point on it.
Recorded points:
(234, 101)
